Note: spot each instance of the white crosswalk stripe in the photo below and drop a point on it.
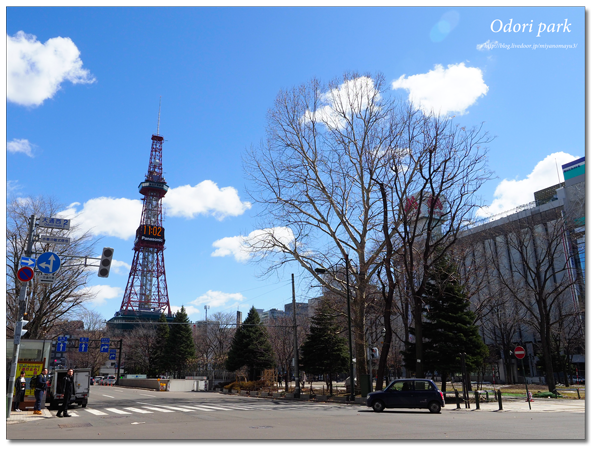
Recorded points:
(137, 410)
(117, 411)
(189, 407)
(163, 410)
(96, 412)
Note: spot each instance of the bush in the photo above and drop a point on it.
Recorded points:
(247, 386)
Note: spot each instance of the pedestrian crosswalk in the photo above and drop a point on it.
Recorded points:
(145, 408)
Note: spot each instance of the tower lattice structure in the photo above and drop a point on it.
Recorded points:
(146, 289)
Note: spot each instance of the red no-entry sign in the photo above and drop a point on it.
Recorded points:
(519, 352)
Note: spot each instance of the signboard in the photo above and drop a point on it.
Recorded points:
(27, 261)
(48, 263)
(25, 274)
(46, 278)
(519, 352)
(54, 239)
(112, 355)
(83, 344)
(104, 344)
(55, 223)
(61, 344)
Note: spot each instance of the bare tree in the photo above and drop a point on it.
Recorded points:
(46, 304)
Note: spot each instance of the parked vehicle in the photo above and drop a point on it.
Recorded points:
(408, 393)
(91, 380)
(98, 379)
(110, 380)
(81, 380)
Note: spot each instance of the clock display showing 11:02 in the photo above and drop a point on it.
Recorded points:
(152, 233)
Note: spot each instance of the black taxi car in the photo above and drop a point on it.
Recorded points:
(408, 393)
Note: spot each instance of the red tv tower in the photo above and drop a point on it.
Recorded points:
(146, 290)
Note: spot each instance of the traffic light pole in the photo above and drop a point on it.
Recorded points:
(19, 324)
(296, 355)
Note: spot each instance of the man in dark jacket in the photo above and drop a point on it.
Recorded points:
(41, 384)
(68, 391)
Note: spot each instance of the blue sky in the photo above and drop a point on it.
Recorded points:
(78, 127)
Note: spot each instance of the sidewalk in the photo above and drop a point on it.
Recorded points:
(17, 417)
(521, 405)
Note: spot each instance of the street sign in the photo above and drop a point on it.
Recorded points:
(104, 344)
(62, 339)
(27, 261)
(112, 355)
(519, 352)
(46, 278)
(48, 263)
(83, 344)
(54, 239)
(25, 274)
(61, 346)
(55, 223)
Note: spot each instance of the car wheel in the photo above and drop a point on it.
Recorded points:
(435, 407)
(378, 406)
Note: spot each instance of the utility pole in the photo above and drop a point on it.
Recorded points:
(297, 359)
(19, 324)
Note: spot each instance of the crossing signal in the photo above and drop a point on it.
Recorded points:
(374, 353)
(105, 261)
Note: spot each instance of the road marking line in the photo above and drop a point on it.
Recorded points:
(149, 395)
(159, 409)
(116, 410)
(216, 408)
(106, 395)
(137, 410)
(96, 412)
(197, 407)
(173, 408)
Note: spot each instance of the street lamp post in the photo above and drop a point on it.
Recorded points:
(323, 271)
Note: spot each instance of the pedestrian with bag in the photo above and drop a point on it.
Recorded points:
(41, 384)
(68, 390)
(20, 388)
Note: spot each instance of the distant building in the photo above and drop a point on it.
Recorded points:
(301, 309)
(271, 314)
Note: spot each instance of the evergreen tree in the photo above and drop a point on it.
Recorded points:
(324, 352)
(181, 349)
(251, 348)
(448, 328)
(159, 357)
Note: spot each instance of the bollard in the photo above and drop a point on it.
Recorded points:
(476, 400)
(457, 400)
(487, 396)
(499, 400)
(578, 395)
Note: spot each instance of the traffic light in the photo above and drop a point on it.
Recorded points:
(105, 261)
(374, 353)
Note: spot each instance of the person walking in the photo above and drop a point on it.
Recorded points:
(41, 384)
(20, 388)
(68, 391)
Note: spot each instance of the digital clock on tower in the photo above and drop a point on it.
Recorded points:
(151, 233)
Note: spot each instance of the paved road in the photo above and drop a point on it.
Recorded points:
(122, 413)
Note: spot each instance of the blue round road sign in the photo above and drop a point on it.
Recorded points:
(25, 274)
(48, 263)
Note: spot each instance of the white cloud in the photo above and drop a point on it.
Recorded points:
(106, 216)
(215, 298)
(256, 243)
(19, 146)
(205, 198)
(512, 193)
(352, 96)
(443, 91)
(35, 71)
(188, 309)
(119, 267)
(104, 293)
